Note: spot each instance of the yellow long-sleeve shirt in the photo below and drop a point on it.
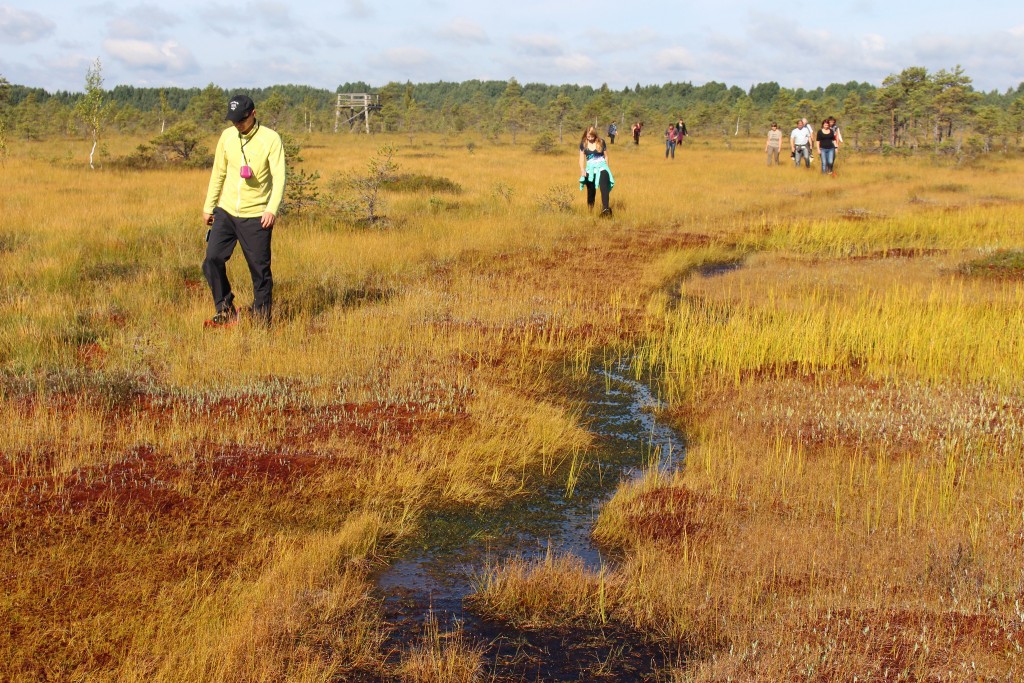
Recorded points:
(247, 197)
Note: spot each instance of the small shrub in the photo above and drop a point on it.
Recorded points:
(947, 148)
(301, 192)
(545, 144)
(8, 242)
(437, 204)
(503, 192)
(358, 198)
(180, 142)
(557, 198)
(949, 187)
(411, 182)
(890, 151)
(142, 159)
(103, 271)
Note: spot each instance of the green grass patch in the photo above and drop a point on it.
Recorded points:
(1001, 264)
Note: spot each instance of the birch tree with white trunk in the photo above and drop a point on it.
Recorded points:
(91, 109)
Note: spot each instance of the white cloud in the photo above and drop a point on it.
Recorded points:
(273, 14)
(872, 42)
(357, 9)
(402, 58)
(625, 41)
(539, 45)
(154, 15)
(575, 64)
(932, 47)
(168, 56)
(224, 18)
(128, 29)
(674, 59)
(464, 32)
(18, 27)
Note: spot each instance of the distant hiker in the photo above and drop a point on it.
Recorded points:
(637, 127)
(245, 192)
(680, 133)
(835, 129)
(774, 144)
(612, 130)
(826, 141)
(670, 141)
(810, 136)
(839, 140)
(594, 171)
(800, 144)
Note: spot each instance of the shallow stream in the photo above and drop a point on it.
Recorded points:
(433, 578)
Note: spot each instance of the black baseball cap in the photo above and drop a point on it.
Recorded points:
(239, 107)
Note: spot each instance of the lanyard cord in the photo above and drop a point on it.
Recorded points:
(243, 141)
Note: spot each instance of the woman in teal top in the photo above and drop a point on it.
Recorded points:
(594, 171)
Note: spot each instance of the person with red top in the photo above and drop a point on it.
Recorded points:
(670, 141)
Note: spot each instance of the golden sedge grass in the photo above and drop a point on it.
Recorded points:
(161, 481)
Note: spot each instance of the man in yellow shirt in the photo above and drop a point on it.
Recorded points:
(244, 196)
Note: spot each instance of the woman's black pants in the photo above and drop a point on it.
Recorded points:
(605, 183)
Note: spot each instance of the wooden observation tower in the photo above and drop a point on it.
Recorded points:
(355, 107)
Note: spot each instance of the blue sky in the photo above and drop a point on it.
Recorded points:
(51, 43)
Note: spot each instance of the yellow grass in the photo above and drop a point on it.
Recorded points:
(185, 505)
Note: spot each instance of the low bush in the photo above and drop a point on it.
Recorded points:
(415, 182)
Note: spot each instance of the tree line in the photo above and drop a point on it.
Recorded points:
(909, 111)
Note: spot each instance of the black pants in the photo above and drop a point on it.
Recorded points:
(255, 241)
(605, 183)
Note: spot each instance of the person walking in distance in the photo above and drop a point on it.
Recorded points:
(670, 141)
(826, 141)
(637, 127)
(242, 202)
(839, 140)
(612, 130)
(800, 144)
(774, 144)
(680, 134)
(594, 171)
(810, 136)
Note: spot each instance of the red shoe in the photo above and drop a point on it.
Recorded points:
(223, 319)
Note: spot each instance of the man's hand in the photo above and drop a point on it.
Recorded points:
(267, 221)
(207, 219)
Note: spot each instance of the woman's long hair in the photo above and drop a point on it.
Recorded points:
(586, 134)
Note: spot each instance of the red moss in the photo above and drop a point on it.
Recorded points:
(90, 354)
(192, 285)
(148, 480)
(895, 639)
(669, 514)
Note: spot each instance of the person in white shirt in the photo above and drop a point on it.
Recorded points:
(800, 143)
